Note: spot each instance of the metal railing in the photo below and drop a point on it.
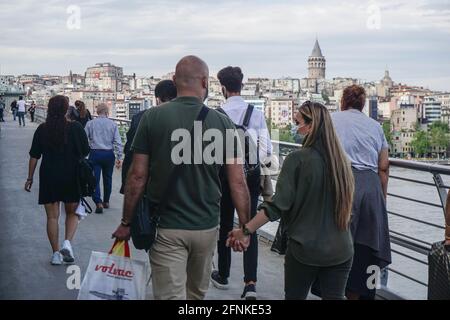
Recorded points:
(401, 239)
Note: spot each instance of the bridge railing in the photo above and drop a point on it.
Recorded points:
(401, 239)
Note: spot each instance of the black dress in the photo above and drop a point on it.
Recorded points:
(58, 171)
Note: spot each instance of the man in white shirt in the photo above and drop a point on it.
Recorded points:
(21, 109)
(236, 108)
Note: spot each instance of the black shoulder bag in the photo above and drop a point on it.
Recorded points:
(146, 214)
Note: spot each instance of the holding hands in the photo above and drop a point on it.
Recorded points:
(237, 240)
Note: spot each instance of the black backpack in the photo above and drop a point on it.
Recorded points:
(249, 146)
(86, 178)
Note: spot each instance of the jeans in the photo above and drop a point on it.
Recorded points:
(103, 162)
(1, 115)
(14, 112)
(21, 116)
(227, 224)
(299, 277)
(32, 116)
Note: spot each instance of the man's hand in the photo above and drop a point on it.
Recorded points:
(122, 233)
(28, 185)
(237, 240)
(118, 164)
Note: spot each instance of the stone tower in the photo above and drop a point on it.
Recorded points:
(316, 63)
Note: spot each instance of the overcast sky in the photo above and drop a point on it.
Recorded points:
(265, 38)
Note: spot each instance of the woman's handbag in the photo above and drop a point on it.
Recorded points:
(439, 272)
(279, 244)
(85, 178)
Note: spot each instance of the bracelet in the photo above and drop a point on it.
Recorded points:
(124, 223)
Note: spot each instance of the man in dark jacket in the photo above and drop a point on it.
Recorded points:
(164, 91)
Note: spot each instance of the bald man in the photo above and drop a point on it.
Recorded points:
(181, 256)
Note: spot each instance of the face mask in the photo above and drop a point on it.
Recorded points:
(206, 93)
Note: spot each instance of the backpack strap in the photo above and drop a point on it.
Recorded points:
(248, 115)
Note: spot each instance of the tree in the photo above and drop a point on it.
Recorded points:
(420, 143)
(438, 138)
(387, 132)
(325, 97)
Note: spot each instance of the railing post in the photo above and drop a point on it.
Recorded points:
(441, 189)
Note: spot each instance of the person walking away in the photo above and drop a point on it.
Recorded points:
(181, 256)
(2, 108)
(32, 110)
(79, 113)
(104, 139)
(314, 199)
(238, 110)
(21, 110)
(165, 91)
(14, 109)
(61, 144)
(366, 147)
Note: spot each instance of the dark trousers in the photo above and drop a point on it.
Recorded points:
(1, 115)
(103, 162)
(14, 112)
(226, 225)
(299, 277)
(21, 116)
(32, 116)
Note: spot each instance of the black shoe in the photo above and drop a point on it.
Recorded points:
(99, 209)
(249, 292)
(218, 281)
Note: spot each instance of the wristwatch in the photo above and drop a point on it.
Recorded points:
(245, 230)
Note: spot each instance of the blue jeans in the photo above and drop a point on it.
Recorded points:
(21, 116)
(14, 112)
(103, 162)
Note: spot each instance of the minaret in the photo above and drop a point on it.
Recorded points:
(316, 63)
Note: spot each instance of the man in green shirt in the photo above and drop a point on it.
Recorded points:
(182, 253)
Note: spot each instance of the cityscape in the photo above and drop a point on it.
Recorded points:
(415, 119)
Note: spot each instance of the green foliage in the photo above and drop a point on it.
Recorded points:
(420, 143)
(387, 132)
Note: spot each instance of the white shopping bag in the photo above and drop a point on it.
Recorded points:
(83, 209)
(114, 276)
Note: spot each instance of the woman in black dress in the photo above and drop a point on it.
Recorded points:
(61, 143)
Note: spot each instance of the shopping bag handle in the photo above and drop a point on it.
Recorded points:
(120, 248)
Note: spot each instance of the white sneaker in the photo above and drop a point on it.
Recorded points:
(67, 252)
(57, 258)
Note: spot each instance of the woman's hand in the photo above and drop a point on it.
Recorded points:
(118, 164)
(28, 185)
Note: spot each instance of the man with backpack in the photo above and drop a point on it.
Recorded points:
(186, 195)
(251, 122)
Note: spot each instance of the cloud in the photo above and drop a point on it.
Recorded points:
(267, 38)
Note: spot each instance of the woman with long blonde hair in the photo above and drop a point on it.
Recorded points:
(314, 195)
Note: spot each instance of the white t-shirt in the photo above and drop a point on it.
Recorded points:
(21, 105)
